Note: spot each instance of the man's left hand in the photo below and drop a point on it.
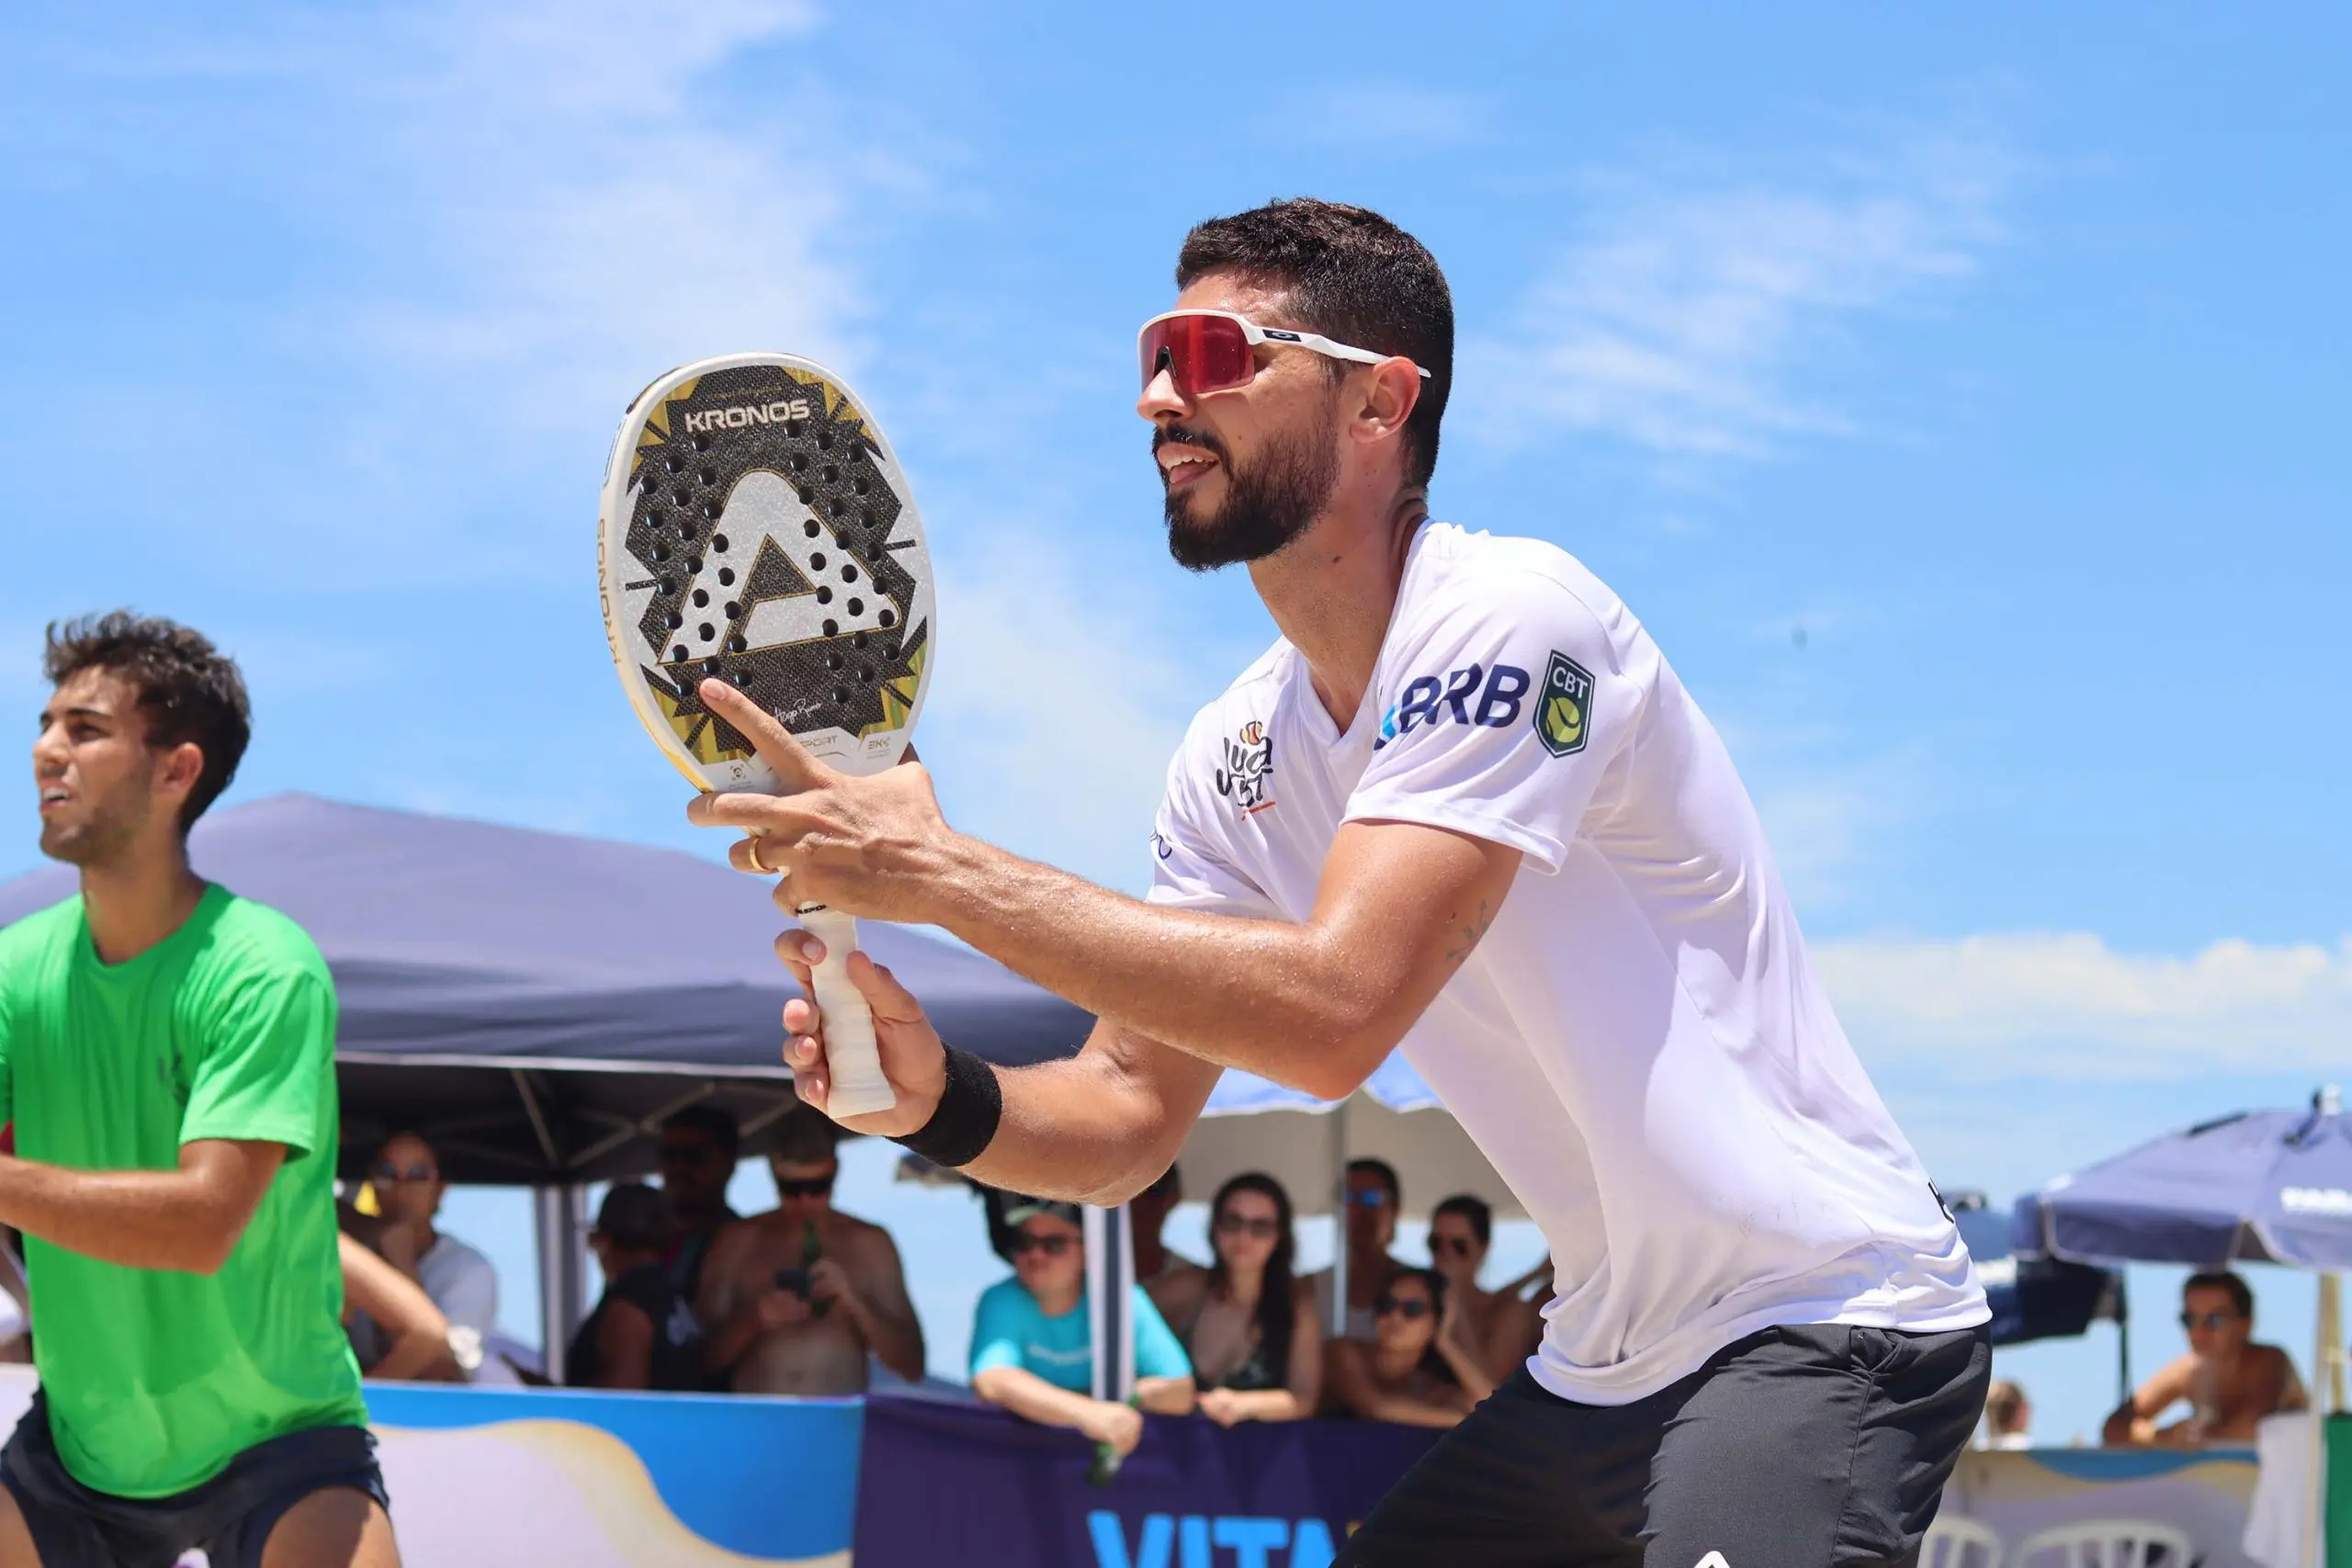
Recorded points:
(829, 1281)
(875, 847)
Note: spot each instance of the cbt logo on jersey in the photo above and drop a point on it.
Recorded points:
(1474, 696)
(1564, 716)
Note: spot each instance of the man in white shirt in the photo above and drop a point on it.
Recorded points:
(1464, 807)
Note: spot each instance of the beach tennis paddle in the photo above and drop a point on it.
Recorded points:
(756, 528)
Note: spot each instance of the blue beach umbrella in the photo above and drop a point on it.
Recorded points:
(2260, 1186)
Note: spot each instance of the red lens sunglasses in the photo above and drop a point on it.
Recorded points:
(1211, 350)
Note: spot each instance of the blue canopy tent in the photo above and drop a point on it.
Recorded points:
(537, 1003)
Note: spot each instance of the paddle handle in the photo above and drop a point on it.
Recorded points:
(852, 1054)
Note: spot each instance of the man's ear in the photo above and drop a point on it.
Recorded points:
(178, 771)
(1386, 396)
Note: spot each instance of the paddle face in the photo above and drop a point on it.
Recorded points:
(756, 528)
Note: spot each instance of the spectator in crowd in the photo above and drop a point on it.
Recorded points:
(1462, 1229)
(1033, 1347)
(1375, 1199)
(1148, 1214)
(795, 1300)
(16, 1301)
(642, 1334)
(2229, 1383)
(699, 1147)
(407, 1180)
(1248, 1328)
(412, 1331)
(2007, 1417)
(1418, 1369)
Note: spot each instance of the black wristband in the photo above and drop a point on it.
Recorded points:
(965, 1118)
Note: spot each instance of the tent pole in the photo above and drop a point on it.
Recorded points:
(546, 1215)
(1338, 1327)
(2123, 1357)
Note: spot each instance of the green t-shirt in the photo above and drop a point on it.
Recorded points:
(155, 1380)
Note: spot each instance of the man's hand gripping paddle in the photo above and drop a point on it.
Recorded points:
(756, 529)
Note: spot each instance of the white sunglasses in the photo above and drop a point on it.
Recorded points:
(1210, 351)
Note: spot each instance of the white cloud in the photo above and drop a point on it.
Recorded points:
(2068, 1005)
(584, 204)
(1685, 315)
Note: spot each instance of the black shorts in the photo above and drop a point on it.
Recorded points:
(1813, 1447)
(229, 1516)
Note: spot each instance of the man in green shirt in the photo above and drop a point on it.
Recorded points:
(167, 1054)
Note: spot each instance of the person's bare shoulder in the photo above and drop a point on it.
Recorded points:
(1179, 1291)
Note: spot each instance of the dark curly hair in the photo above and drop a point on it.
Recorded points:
(1351, 274)
(191, 694)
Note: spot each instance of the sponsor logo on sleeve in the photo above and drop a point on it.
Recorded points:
(1563, 713)
(1475, 696)
(1248, 769)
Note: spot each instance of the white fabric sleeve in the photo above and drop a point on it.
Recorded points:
(467, 1291)
(1505, 708)
(1189, 870)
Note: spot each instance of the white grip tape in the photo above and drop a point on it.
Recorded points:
(859, 1088)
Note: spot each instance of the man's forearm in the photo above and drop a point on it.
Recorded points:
(1165, 1397)
(1271, 997)
(1031, 1397)
(736, 1332)
(140, 1219)
(1081, 1130)
(896, 1338)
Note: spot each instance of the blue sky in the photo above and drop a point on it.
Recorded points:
(1959, 400)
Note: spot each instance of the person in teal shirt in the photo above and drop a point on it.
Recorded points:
(167, 1055)
(1032, 1349)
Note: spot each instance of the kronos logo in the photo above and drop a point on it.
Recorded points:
(741, 414)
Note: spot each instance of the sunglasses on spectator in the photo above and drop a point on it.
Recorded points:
(1258, 1225)
(1051, 1245)
(2208, 1319)
(1460, 1246)
(1405, 1307)
(807, 1187)
(1213, 350)
(1370, 1197)
(414, 1173)
(691, 1154)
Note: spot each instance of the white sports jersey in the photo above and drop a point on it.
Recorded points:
(1639, 1045)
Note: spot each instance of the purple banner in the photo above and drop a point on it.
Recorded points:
(943, 1485)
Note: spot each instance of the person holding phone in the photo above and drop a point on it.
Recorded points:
(794, 1300)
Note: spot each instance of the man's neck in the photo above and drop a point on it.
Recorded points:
(1060, 1302)
(138, 901)
(1332, 588)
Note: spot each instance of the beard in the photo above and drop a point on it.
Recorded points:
(1267, 505)
(106, 836)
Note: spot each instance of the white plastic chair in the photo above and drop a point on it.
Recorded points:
(2107, 1543)
(1955, 1541)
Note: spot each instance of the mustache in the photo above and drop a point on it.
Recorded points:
(1186, 435)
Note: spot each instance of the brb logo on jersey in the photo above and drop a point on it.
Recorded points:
(1563, 717)
(1248, 768)
(1472, 695)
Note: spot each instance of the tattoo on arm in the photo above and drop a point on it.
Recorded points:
(1470, 931)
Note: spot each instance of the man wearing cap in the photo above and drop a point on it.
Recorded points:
(1033, 1351)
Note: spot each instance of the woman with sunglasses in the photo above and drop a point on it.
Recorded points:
(1462, 1229)
(1420, 1368)
(1257, 1350)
